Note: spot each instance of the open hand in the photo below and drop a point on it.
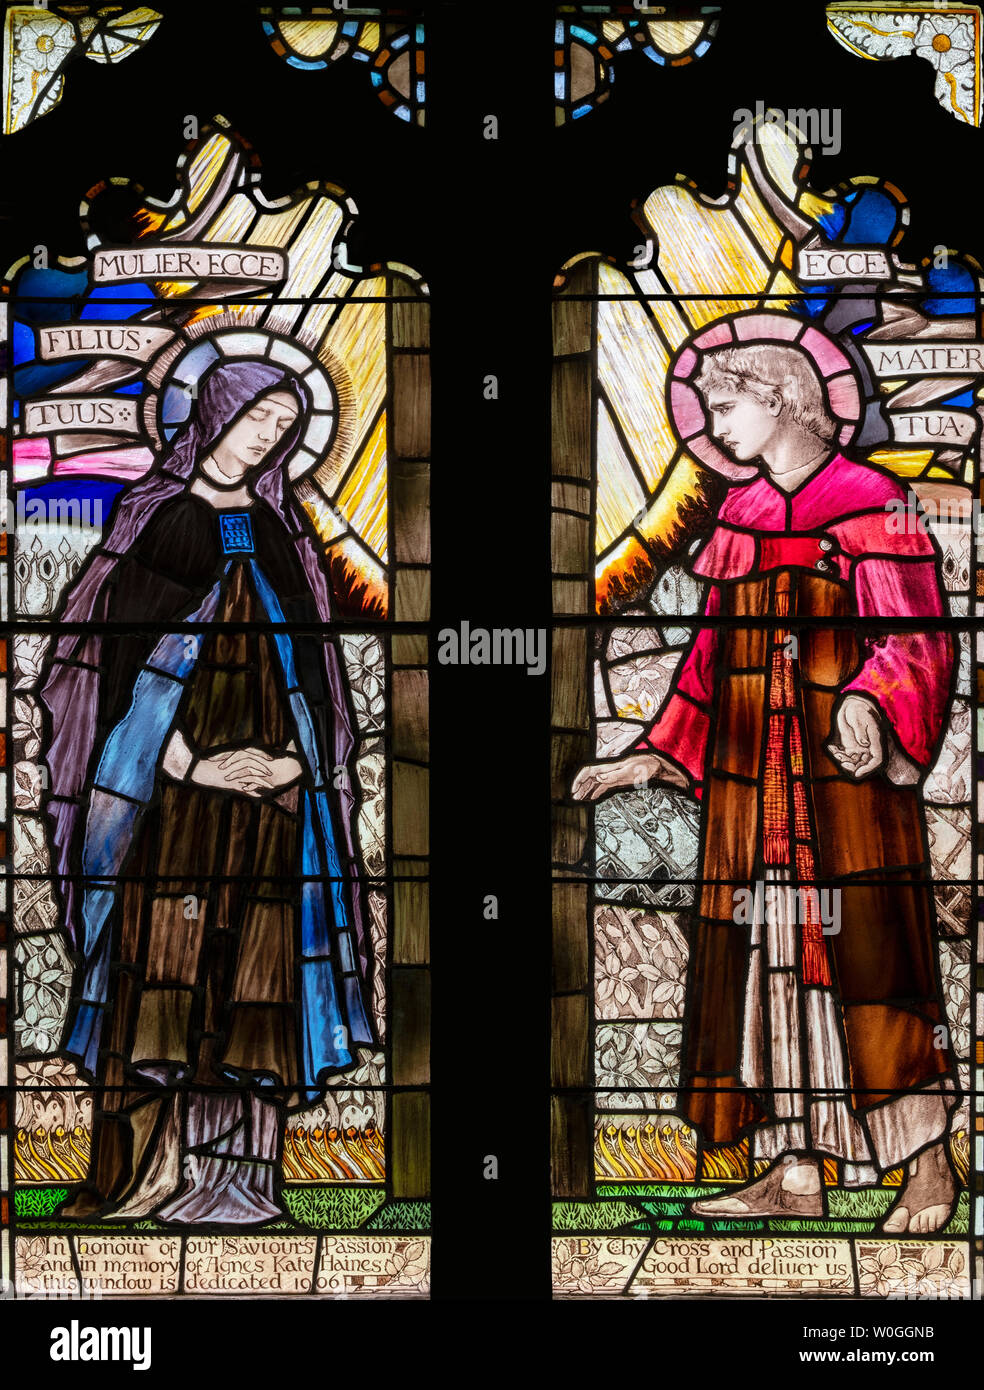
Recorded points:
(596, 780)
(858, 742)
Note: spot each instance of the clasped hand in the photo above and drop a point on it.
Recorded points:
(251, 771)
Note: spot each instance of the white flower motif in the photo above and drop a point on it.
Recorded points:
(944, 41)
(46, 42)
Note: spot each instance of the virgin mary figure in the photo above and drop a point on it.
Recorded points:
(202, 819)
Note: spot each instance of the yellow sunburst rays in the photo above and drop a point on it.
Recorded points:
(239, 222)
(729, 254)
(351, 483)
(346, 496)
(311, 243)
(716, 249)
(354, 484)
(646, 488)
(357, 338)
(206, 177)
(307, 228)
(202, 173)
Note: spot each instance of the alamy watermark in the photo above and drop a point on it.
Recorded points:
(466, 645)
(85, 1343)
(763, 903)
(76, 1341)
(820, 125)
(67, 513)
(914, 515)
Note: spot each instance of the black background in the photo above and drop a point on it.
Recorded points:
(487, 223)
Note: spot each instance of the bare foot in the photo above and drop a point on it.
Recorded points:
(791, 1187)
(928, 1196)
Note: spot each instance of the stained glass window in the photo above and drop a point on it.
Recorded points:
(217, 480)
(947, 37)
(741, 622)
(40, 42)
(391, 47)
(765, 471)
(589, 41)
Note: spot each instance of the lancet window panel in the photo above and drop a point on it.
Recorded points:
(217, 470)
(765, 472)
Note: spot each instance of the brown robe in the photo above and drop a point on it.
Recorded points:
(206, 957)
(883, 959)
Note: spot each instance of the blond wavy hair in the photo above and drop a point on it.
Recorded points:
(768, 370)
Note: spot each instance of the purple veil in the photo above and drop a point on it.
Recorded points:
(71, 691)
